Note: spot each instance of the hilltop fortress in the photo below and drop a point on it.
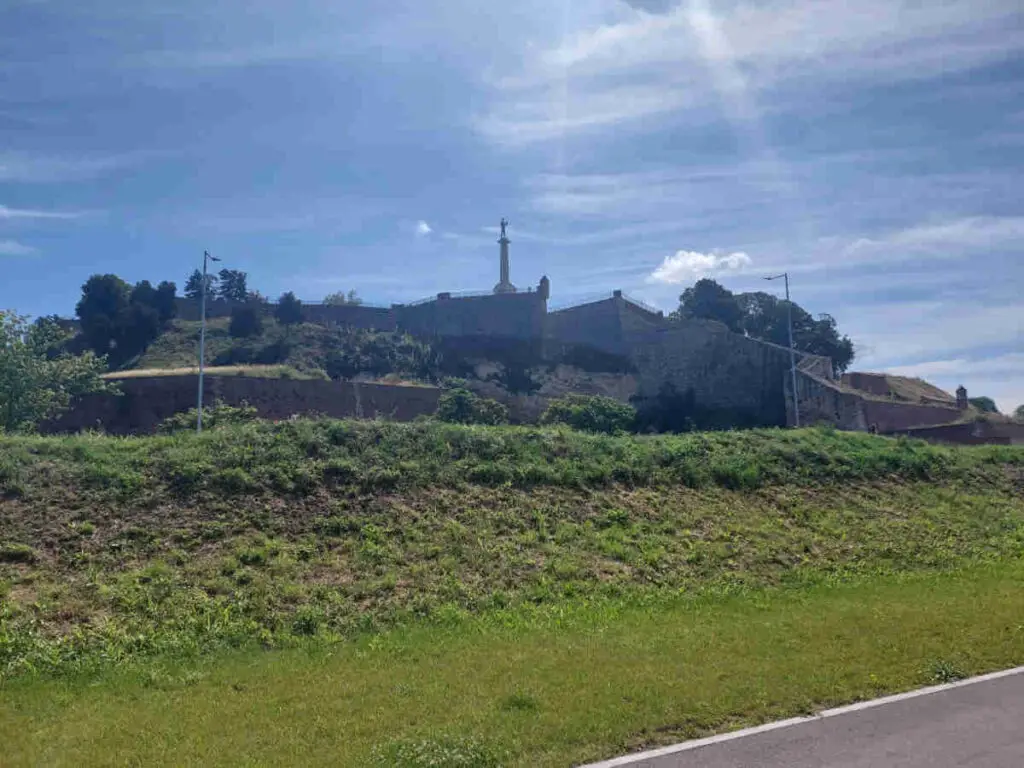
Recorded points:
(620, 347)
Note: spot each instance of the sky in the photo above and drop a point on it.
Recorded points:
(872, 149)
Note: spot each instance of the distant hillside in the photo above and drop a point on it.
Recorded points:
(309, 348)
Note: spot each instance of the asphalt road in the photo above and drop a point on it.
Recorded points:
(974, 723)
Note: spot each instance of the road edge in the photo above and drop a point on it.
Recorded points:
(686, 746)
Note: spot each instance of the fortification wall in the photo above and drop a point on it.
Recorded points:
(822, 401)
(145, 402)
(356, 316)
(723, 370)
(979, 432)
(597, 324)
(510, 315)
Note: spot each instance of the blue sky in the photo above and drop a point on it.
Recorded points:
(874, 149)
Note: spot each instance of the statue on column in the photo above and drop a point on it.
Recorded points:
(504, 224)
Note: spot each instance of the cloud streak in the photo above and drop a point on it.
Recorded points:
(28, 213)
(14, 248)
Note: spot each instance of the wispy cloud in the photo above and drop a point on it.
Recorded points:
(31, 168)
(687, 266)
(423, 229)
(639, 65)
(14, 248)
(28, 213)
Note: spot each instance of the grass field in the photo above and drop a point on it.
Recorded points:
(554, 595)
(548, 687)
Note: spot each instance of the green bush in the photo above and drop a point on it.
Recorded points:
(591, 413)
(220, 415)
(460, 406)
(246, 321)
(17, 553)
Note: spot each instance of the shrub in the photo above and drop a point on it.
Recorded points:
(220, 415)
(460, 406)
(17, 553)
(246, 321)
(591, 413)
(444, 752)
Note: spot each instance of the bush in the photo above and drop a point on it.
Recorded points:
(460, 406)
(591, 413)
(17, 553)
(246, 321)
(220, 415)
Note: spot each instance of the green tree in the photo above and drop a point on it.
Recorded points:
(231, 285)
(38, 380)
(984, 404)
(194, 285)
(591, 413)
(460, 406)
(341, 299)
(289, 309)
(707, 300)
(1019, 413)
(102, 310)
(246, 320)
(764, 317)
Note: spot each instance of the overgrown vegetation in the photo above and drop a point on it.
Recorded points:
(38, 377)
(591, 413)
(270, 533)
(460, 406)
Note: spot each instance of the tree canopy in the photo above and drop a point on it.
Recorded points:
(194, 285)
(763, 316)
(120, 320)
(289, 309)
(231, 285)
(984, 404)
(1019, 413)
(38, 378)
(340, 299)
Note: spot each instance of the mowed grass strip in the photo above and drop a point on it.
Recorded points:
(552, 688)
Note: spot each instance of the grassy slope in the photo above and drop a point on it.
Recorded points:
(552, 688)
(117, 549)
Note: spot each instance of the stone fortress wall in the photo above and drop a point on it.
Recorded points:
(591, 346)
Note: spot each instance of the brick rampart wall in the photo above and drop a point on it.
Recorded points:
(145, 402)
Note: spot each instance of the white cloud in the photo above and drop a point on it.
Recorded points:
(687, 266)
(27, 213)
(422, 228)
(13, 248)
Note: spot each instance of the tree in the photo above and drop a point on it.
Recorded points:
(1019, 413)
(707, 300)
(984, 404)
(120, 320)
(102, 310)
(289, 309)
(194, 285)
(341, 299)
(231, 285)
(591, 413)
(460, 406)
(764, 317)
(38, 380)
(246, 320)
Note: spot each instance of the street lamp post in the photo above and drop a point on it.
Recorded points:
(202, 341)
(792, 352)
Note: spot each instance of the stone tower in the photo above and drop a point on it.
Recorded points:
(504, 284)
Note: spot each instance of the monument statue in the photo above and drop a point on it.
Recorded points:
(504, 224)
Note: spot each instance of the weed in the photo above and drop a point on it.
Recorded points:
(17, 553)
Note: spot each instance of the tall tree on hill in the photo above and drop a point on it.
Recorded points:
(763, 316)
(288, 310)
(101, 311)
(708, 300)
(232, 285)
(119, 320)
(194, 285)
(984, 404)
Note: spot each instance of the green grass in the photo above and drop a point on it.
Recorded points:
(550, 685)
(266, 535)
